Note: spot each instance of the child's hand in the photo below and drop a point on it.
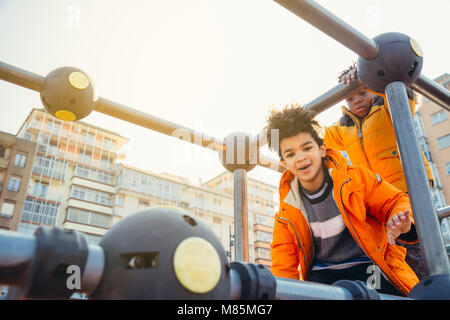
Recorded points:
(398, 224)
(348, 77)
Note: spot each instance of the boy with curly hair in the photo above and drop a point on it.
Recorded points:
(335, 221)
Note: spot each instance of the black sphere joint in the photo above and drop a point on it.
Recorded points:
(68, 94)
(399, 58)
(434, 287)
(163, 253)
(239, 152)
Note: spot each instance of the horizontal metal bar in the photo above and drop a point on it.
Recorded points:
(333, 26)
(443, 212)
(334, 96)
(145, 120)
(21, 77)
(432, 91)
(288, 289)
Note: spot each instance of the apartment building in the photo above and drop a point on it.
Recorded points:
(16, 162)
(263, 203)
(433, 130)
(72, 177)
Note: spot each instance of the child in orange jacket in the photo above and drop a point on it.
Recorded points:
(336, 221)
(366, 133)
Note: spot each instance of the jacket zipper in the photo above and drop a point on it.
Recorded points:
(358, 124)
(299, 244)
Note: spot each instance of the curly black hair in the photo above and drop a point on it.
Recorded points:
(289, 122)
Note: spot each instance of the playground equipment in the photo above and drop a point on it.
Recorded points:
(386, 64)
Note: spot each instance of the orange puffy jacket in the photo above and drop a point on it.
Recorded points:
(371, 142)
(365, 202)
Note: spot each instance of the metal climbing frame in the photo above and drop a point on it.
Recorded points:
(425, 214)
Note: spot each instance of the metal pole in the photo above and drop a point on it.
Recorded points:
(145, 120)
(443, 212)
(426, 221)
(289, 289)
(334, 95)
(240, 215)
(21, 77)
(336, 28)
(432, 91)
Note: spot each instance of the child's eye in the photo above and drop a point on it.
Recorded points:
(290, 155)
(307, 148)
(349, 99)
(362, 93)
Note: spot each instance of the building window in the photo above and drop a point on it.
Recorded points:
(40, 190)
(14, 184)
(91, 195)
(20, 159)
(144, 203)
(7, 209)
(438, 117)
(217, 220)
(2, 151)
(40, 212)
(444, 142)
(119, 200)
(447, 167)
(88, 217)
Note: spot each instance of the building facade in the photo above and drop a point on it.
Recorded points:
(72, 180)
(16, 162)
(77, 183)
(433, 130)
(263, 203)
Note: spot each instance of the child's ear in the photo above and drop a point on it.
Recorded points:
(323, 150)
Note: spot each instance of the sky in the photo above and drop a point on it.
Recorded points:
(210, 65)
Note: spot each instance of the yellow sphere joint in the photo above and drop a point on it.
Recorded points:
(416, 47)
(78, 80)
(197, 265)
(65, 115)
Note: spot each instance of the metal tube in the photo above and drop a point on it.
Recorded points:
(335, 95)
(21, 77)
(426, 221)
(240, 215)
(432, 91)
(145, 120)
(336, 28)
(93, 270)
(17, 250)
(235, 285)
(288, 289)
(443, 212)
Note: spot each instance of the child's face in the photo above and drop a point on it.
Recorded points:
(303, 157)
(360, 103)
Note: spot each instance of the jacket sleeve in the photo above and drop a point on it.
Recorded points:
(333, 138)
(383, 200)
(283, 251)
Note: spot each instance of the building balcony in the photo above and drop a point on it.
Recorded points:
(4, 163)
(264, 261)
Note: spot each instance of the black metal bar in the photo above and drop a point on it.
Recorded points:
(333, 26)
(432, 91)
(426, 221)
